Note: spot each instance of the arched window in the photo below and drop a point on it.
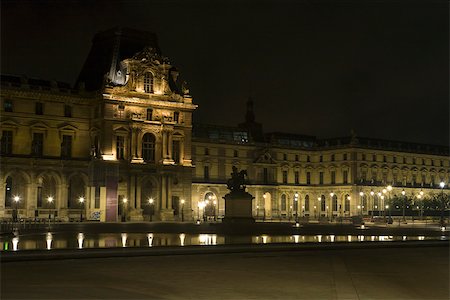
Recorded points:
(347, 203)
(335, 203)
(307, 203)
(323, 205)
(283, 202)
(148, 147)
(148, 82)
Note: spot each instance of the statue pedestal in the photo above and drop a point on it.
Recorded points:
(238, 207)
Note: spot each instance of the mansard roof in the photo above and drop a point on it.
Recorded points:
(108, 49)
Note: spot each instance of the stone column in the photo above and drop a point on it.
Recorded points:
(133, 150)
(31, 201)
(164, 145)
(182, 151)
(2, 199)
(61, 201)
(169, 145)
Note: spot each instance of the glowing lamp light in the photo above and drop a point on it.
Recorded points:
(403, 192)
(124, 200)
(442, 184)
(372, 193)
(16, 199)
(81, 199)
(361, 194)
(389, 188)
(182, 201)
(150, 201)
(50, 199)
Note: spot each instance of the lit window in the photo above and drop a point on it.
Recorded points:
(148, 147)
(148, 82)
(120, 147)
(8, 105)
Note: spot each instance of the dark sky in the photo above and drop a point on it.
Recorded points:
(313, 67)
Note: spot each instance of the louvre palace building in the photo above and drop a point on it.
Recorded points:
(120, 145)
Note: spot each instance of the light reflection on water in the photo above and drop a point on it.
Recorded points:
(81, 240)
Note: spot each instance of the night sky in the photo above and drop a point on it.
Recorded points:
(312, 67)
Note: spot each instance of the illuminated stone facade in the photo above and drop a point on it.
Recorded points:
(122, 141)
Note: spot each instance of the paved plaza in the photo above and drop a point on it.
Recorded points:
(378, 273)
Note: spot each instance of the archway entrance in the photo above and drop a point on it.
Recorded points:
(210, 210)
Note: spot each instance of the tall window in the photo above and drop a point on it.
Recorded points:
(206, 151)
(296, 157)
(148, 147)
(345, 175)
(374, 157)
(332, 157)
(323, 204)
(235, 154)
(8, 192)
(66, 146)
(335, 205)
(149, 114)
(8, 105)
(333, 177)
(297, 177)
(206, 172)
(120, 147)
(176, 117)
(285, 176)
(176, 151)
(320, 177)
(39, 108)
(6, 142)
(345, 156)
(283, 202)
(284, 156)
(148, 82)
(37, 145)
(307, 203)
(265, 175)
(363, 156)
(39, 196)
(68, 111)
(395, 159)
(347, 203)
(308, 158)
(308, 177)
(320, 158)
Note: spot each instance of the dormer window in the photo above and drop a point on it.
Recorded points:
(148, 82)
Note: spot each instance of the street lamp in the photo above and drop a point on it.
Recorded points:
(320, 206)
(372, 193)
(331, 202)
(124, 212)
(151, 201)
(361, 195)
(296, 206)
(442, 185)
(81, 200)
(215, 215)
(404, 204)
(50, 201)
(15, 210)
(182, 210)
(382, 203)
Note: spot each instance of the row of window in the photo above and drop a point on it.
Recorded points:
(37, 144)
(344, 157)
(322, 206)
(148, 148)
(296, 176)
(38, 108)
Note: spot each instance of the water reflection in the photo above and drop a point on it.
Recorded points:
(124, 239)
(80, 241)
(182, 237)
(150, 239)
(49, 239)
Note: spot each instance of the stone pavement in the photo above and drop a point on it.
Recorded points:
(373, 273)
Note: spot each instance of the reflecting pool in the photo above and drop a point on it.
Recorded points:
(80, 240)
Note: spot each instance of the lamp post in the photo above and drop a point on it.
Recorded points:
(182, 210)
(442, 185)
(198, 212)
(361, 195)
(81, 200)
(389, 189)
(15, 210)
(50, 201)
(315, 211)
(372, 193)
(320, 206)
(124, 209)
(420, 198)
(215, 215)
(331, 203)
(378, 204)
(151, 201)
(404, 205)
(296, 207)
(421, 204)
(383, 206)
